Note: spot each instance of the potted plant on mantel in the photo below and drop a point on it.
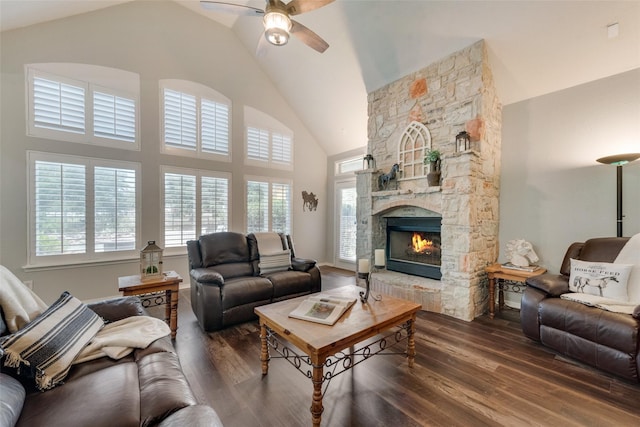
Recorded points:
(432, 157)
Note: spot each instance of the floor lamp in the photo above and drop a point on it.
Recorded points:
(619, 160)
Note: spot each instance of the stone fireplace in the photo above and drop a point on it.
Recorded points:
(454, 94)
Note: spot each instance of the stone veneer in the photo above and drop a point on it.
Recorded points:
(451, 95)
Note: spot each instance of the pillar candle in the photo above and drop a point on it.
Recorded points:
(363, 266)
(379, 258)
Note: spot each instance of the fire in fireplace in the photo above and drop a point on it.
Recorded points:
(414, 246)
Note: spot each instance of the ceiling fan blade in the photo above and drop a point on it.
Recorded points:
(296, 7)
(263, 45)
(308, 37)
(235, 9)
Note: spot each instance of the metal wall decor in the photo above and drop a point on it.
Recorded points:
(309, 201)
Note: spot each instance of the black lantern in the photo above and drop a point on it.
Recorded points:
(368, 162)
(463, 141)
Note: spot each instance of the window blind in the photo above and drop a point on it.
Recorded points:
(215, 127)
(179, 209)
(280, 148)
(348, 223)
(115, 209)
(180, 119)
(257, 144)
(281, 208)
(58, 105)
(215, 204)
(114, 117)
(257, 206)
(60, 208)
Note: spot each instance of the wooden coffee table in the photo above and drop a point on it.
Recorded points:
(317, 346)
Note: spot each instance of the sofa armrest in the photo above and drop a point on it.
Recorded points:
(13, 394)
(207, 276)
(115, 309)
(636, 312)
(553, 284)
(302, 264)
(193, 416)
(163, 387)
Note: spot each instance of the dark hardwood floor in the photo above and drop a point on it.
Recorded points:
(480, 373)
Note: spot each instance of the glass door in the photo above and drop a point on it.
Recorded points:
(345, 240)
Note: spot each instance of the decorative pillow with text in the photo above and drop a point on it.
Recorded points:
(603, 279)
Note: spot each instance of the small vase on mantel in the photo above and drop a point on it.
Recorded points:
(433, 158)
(433, 177)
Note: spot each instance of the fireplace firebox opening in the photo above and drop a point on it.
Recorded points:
(414, 246)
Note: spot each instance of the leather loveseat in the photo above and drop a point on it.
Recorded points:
(145, 388)
(226, 284)
(600, 338)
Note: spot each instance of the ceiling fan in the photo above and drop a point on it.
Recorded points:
(277, 22)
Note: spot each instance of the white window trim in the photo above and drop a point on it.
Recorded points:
(90, 77)
(90, 256)
(340, 162)
(199, 91)
(270, 181)
(198, 173)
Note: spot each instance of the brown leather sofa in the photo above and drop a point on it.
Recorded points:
(146, 388)
(226, 284)
(606, 340)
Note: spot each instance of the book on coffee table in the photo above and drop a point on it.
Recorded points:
(325, 309)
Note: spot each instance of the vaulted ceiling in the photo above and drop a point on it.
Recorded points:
(535, 47)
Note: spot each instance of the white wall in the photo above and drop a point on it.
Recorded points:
(158, 40)
(553, 192)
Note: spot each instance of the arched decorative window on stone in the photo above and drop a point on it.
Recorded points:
(414, 142)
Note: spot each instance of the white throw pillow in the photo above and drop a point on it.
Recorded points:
(604, 279)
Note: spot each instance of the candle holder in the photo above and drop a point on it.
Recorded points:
(364, 295)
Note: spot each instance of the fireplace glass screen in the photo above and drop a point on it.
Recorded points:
(415, 247)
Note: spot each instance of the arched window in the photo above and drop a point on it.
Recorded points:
(414, 142)
(269, 143)
(196, 120)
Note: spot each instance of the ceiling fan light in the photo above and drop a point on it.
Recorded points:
(277, 36)
(277, 26)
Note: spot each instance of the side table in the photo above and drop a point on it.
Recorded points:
(169, 284)
(497, 271)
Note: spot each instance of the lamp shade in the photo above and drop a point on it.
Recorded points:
(276, 27)
(619, 159)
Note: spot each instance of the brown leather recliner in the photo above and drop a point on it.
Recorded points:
(226, 284)
(603, 339)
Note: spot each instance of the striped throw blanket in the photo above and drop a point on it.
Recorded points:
(49, 343)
